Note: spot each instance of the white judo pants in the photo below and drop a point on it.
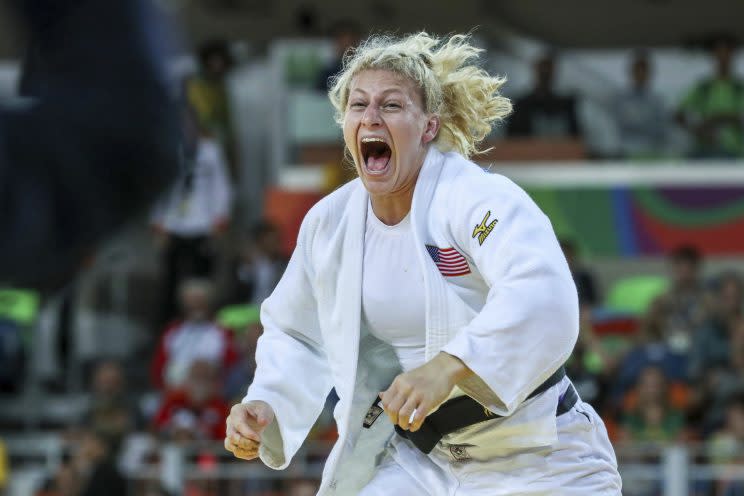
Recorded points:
(581, 463)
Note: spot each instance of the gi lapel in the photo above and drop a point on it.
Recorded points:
(437, 328)
(347, 310)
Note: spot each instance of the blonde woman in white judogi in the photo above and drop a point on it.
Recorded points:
(432, 290)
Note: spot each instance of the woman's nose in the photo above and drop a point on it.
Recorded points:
(371, 116)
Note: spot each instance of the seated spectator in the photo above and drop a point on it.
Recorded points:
(685, 297)
(112, 411)
(650, 350)
(710, 345)
(543, 113)
(654, 410)
(641, 118)
(196, 337)
(241, 373)
(95, 461)
(727, 445)
(195, 213)
(724, 382)
(64, 482)
(346, 34)
(196, 411)
(583, 278)
(4, 468)
(589, 366)
(11, 356)
(713, 109)
(260, 266)
(207, 93)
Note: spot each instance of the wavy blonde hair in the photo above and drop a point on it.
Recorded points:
(464, 96)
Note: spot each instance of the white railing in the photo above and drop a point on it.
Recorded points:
(647, 469)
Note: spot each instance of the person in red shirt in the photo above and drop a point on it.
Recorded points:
(195, 411)
(196, 337)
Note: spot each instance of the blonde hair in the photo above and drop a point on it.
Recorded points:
(464, 96)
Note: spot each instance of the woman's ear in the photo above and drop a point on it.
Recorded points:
(432, 128)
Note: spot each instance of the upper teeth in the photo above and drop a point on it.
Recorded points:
(370, 140)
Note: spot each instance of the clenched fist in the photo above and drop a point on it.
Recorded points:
(422, 389)
(244, 427)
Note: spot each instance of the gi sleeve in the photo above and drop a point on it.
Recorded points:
(529, 324)
(292, 374)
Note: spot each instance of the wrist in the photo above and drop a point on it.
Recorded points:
(454, 368)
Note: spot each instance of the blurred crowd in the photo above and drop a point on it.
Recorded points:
(711, 111)
(671, 371)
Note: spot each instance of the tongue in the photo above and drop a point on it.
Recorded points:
(377, 164)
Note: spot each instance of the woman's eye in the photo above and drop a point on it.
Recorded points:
(357, 105)
(392, 105)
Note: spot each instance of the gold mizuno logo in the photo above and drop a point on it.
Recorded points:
(487, 412)
(482, 230)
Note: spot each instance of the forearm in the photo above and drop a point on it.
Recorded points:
(452, 367)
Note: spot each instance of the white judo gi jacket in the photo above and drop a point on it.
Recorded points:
(513, 319)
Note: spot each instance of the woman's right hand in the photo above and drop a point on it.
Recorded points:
(244, 427)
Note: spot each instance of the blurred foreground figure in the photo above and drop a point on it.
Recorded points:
(97, 140)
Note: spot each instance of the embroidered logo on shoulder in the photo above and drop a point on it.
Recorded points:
(483, 229)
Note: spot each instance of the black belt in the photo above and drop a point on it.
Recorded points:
(464, 411)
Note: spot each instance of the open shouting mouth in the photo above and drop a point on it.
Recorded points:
(376, 155)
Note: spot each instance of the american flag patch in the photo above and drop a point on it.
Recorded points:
(449, 261)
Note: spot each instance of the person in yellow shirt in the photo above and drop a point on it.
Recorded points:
(4, 468)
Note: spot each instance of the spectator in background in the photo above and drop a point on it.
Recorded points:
(654, 410)
(241, 373)
(713, 109)
(346, 34)
(195, 213)
(207, 92)
(260, 266)
(686, 297)
(95, 461)
(543, 113)
(64, 482)
(195, 411)
(112, 411)
(727, 444)
(641, 119)
(4, 468)
(583, 278)
(723, 382)
(650, 350)
(710, 345)
(196, 337)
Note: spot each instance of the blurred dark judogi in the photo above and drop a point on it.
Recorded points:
(96, 142)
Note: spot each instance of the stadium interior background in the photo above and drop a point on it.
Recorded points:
(628, 132)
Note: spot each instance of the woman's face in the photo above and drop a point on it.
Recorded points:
(387, 131)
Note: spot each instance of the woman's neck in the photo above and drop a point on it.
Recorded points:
(391, 209)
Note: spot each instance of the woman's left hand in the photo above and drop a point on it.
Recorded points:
(422, 389)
